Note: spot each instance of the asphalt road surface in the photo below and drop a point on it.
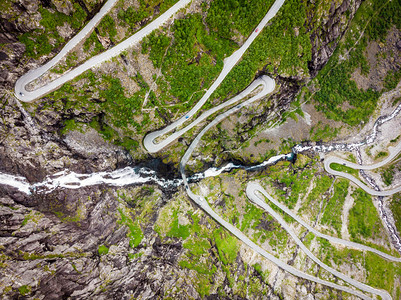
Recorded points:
(265, 82)
(229, 63)
(332, 159)
(27, 96)
(202, 202)
(251, 191)
(267, 87)
(254, 187)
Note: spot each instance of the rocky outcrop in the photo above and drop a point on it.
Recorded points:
(49, 244)
(27, 148)
(325, 30)
(46, 250)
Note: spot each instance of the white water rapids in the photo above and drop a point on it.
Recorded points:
(122, 177)
(141, 175)
(352, 146)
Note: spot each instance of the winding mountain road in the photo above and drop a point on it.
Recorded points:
(394, 152)
(267, 85)
(202, 202)
(251, 190)
(229, 63)
(265, 82)
(27, 96)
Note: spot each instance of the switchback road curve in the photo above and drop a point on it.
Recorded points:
(253, 188)
(268, 86)
(229, 62)
(332, 159)
(265, 82)
(202, 202)
(27, 96)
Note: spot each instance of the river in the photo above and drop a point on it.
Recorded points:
(144, 175)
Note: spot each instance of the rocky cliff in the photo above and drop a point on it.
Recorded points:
(51, 245)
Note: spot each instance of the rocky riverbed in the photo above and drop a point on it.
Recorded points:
(109, 242)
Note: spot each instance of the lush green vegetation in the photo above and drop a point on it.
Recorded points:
(336, 88)
(107, 27)
(392, 79)
(135, 233)
(70, 61)
(338, 96)
(157, 44)
(209, 247)
(258, 269)
(178, 230)
(341, 168)
(195, 57)
(396, 101)
(203, 245)
(24, 290)
(323, 133)
(70, 125)
(296, 183)
(227, 17)
(192, 61)
(285, 43)
(131, 19)
(103, 250)
(198, 246)
(263, 226)
(92, 43)
(381, 154)
(141, 202)
(321, 186)
(189, 64)
(380, 272)
(333, 211)
(395, 140)
(113, 111)
(388, 175)
(118, 105)
(363, 218)
(133, 16)
(330, 253)
(395, 206)
(251, 218)
(376, 267)
(227, 245)
(385, 15)
(38, 43)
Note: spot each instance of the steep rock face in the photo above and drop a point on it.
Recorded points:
(58, 256)
(32, 138)
(49, 242)
(29, 150)
(326, 28)
(11, 27)
(30, 146)
(18, 19)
